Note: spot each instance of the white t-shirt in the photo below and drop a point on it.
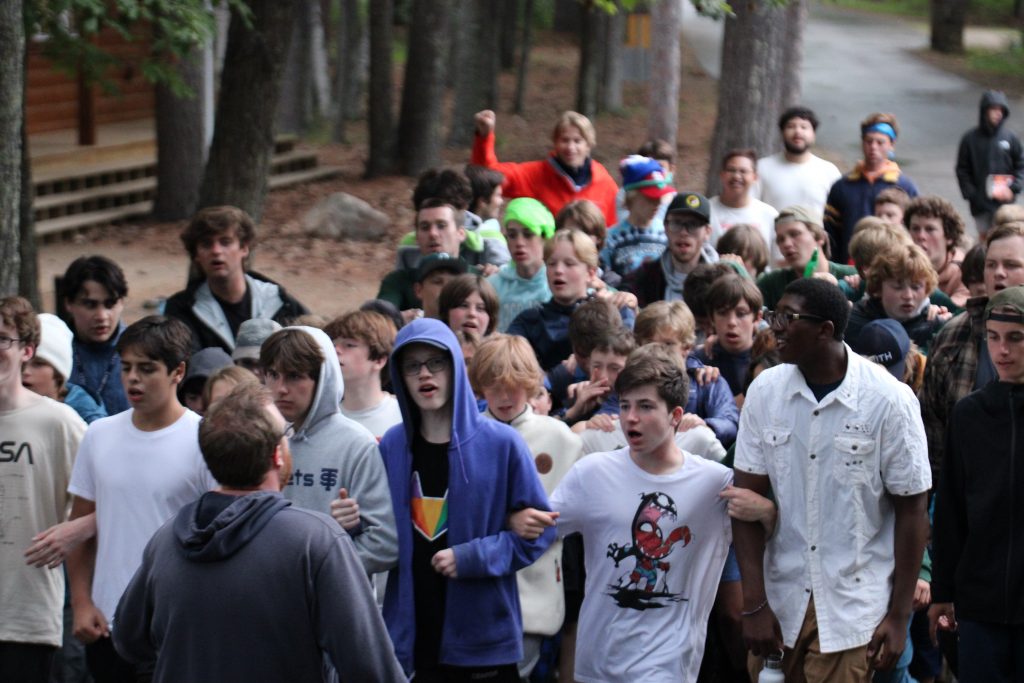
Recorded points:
(755, 213)
(644, 617)
(38, 446)
(378, 419)
(138, 481)
(782, 183)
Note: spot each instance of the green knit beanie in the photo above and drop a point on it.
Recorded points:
(532, 215)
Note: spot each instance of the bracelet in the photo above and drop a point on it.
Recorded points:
(755, 610)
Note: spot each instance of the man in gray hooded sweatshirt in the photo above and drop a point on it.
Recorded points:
(990, 162)
(337, 462)
(241, 585)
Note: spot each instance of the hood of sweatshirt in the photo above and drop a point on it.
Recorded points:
(231, 530)
(330, 387)
(466, 417)
(992, 98)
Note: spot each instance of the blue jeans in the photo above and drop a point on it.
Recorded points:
(899, 673)
(990, 653)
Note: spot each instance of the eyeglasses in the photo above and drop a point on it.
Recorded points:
(676, 227)
(411, 368)
(7, 342)
(784, 318)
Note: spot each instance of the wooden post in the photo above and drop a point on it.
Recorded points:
(86, 111)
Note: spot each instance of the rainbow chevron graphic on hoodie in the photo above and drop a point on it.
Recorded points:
(429, 514)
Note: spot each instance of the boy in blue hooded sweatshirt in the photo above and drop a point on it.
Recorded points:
(336, 459)
(452, 607)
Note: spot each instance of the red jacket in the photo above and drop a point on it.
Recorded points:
(546, 183)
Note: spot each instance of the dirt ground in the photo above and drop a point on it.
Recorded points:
(331, 277)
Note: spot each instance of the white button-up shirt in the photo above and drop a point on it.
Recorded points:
(833, 466)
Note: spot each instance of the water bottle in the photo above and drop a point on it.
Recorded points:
(772, 671)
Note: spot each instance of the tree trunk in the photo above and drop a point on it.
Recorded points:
(509, 23)
(588, 80)
(948, 18)
(12, 115)
(614, 47)
(243, 136)
(295, 104)
(666, 65)
(382, 130)
(419, 128)
(477, 68)
(749, 90)
(180, 143)
(524, 58)
(793, 53)
(568, 16)
(352, 64)
(28, 276)
(318, 59)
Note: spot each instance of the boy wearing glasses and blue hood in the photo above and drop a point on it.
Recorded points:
(452, 606)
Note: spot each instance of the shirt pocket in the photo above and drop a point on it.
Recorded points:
(777, 449)
(856, 461)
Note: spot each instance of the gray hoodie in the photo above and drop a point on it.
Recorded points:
(251, 589)
(331, 452)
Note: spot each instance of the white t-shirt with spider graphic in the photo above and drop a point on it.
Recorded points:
(655, 547)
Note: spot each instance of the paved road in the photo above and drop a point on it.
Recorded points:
(855, 64)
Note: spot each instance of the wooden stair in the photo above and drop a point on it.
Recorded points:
(115, 189)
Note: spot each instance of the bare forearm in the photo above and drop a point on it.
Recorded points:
(910, 537)
(81, 563)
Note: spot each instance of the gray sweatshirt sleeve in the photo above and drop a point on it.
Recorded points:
(376, 540)
(349, 626)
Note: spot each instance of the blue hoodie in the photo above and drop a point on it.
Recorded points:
(490, 474)
(97, 369)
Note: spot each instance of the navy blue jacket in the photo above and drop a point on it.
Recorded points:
(851, 198)
(546, 327)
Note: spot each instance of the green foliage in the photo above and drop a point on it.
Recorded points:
(991, 12)
(172, 27)
(1002, 63)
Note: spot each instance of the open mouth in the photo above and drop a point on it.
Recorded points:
(427, 390)
(135, 394)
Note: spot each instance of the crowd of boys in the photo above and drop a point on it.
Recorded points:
(552, 448)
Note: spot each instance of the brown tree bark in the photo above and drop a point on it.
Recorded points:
(614, 47)
(793, 53)
(524, 58)
(180, 143)
(419, 127)
(666, 65)
(28, 275)
(750, 85)
(509, 23)
(588, 82)
(353, 58)
(476, 68)
(243, 135)
(947, 25)
(382, 128)
(12, 85)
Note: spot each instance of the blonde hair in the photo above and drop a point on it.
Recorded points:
(582, 245)
(505, 360)
(903, 263)
(587, 216)
(578, 121)
(231, 373)
(872, 236)
(1008, 213)
(673, 317)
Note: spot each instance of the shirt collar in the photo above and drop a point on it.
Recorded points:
(846, 393)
